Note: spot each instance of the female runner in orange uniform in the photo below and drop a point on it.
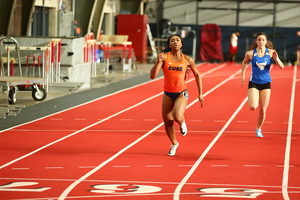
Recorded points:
(174, 65)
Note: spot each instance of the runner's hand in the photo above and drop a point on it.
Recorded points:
(201, 100)
(160, 57)
(243, 80)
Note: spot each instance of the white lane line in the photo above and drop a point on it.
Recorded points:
(74, 184)
(24, 168)
(196, 120)
(79, 119)
(126, 119)
(283, 166)
(150, 120)
(153, 165)
(242, 121)
(219, 165)
(185, 165)
(252, 165)
(121, 166)
(189, 174)
(220, 121)
(289, 122)
(86, 167)
(53, 167)
(285, 178)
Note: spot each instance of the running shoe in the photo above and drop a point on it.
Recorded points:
(258, 133)
(173, 149)
(183, 128)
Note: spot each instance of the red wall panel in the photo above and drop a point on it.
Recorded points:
(135, 26)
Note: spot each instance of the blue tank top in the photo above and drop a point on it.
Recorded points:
(260, 68)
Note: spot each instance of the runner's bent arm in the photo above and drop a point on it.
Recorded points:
(277, 59)
(198, 78)
(244, 63)
(157, 66)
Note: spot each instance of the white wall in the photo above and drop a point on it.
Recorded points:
(184, 12)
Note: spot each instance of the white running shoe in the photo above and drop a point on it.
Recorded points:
(258, 133)
(173, 149)
(183, 128)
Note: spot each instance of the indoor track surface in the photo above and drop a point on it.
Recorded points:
(115, 147)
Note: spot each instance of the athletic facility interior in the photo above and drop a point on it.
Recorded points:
(80, 117)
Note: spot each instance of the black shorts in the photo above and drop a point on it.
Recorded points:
(174, 95)
(259, 86)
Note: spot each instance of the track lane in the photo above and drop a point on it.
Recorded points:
(245, 165)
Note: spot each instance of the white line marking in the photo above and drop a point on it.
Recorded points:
(289, 122)
(56, 119)
(283, 166)
(20, 168)
(252, 165)
(189, 174)
(153, 165)
(243, 121)
(54, 167)
(288, 141)
(121, 166)
(219, 121)
(126, 119)
(84, 167)
(150, 120)
(80, 119)
(196, 120)
(185, 165)
(219, 165)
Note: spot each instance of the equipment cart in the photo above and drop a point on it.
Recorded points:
(11, 83)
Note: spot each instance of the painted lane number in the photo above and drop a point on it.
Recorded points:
(124, 189)
(231, 192)
(16, 187)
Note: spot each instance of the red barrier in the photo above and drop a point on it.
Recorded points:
(59, 50)
(107, 51)
(129, 53)
(11, 67)
(33, 64)
(124, 50)
(39, 62)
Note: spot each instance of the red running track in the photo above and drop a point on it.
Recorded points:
(115, 147)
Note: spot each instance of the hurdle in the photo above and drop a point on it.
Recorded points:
(33, 65)
(54, 71)
(121, 44)
(90, 55)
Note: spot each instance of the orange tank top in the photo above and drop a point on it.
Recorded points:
(174, 74)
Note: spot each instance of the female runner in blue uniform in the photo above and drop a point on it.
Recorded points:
(259, 90)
